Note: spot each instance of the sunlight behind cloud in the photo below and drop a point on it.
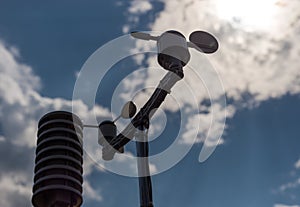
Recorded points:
(253, 14)
(258, 55)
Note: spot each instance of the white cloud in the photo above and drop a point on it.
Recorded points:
(138, 7)
(21, 106)
(15, 189)
(135, 10)
(90, 192)
(297, 164)
(283, 205)
(152, 168)
(290, 185)
(261, 63)
(2, 139)
(254, 64)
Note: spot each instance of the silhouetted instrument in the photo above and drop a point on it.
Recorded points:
(58, 163)
(173, 55)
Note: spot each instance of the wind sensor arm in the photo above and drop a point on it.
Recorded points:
(154, 102)
(143, 36)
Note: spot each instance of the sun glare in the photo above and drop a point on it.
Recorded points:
(251, 14)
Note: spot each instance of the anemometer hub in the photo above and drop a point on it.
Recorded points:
(172, 49)
(107, 131)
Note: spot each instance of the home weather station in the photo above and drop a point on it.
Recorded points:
(59, 153)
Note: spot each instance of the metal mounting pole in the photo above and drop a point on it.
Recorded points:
(142, 149)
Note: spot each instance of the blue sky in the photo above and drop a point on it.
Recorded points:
(43, 47)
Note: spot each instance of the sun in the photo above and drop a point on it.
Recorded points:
(251, 14)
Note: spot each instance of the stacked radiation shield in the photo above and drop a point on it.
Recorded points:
(58, 164)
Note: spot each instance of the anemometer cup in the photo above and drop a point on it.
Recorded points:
(107, 132)
(172, 48)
